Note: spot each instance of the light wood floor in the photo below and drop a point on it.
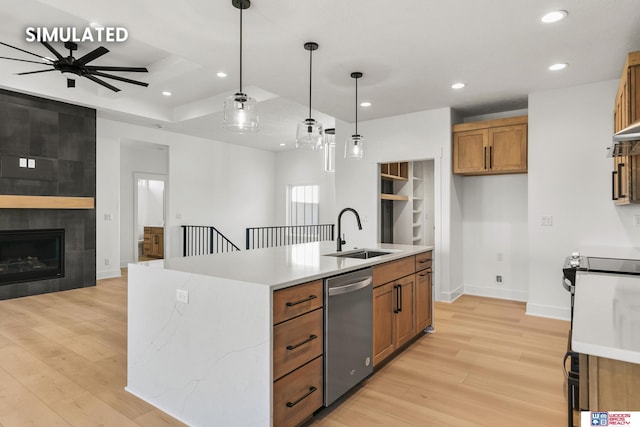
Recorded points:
(63, 363)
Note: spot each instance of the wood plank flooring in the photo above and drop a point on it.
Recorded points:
(63, 363)
(488, 364)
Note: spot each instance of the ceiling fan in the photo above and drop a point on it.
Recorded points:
(78, 66)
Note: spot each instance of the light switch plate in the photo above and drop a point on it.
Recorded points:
(546, 220)
(22, 162)
(31, 163)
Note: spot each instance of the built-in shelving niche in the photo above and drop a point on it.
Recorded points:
(407, 202)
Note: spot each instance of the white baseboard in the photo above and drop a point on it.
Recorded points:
(561, 313)
(510, 294)
(152, 403)
(108, 274)
(450, 296)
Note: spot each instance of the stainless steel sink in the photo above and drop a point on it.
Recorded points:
(360, 254)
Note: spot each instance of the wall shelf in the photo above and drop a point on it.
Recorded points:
(393, 177)
(45, 202)
(396, 197)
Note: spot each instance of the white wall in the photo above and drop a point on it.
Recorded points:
(494, 216)
(136, 158)
(304, 167)
(415, 136)
(570, 179)
(210, 183)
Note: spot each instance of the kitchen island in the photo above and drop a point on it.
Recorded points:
(200, 329)
(606, 333)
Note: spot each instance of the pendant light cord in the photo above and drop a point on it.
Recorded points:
(310, 68)
(241, 7)
(356, 105)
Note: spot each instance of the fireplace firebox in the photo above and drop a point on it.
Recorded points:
(30, 255)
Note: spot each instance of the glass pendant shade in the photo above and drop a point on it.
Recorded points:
(240, 114)
(330, 150)
(354, 147)
(309, 135)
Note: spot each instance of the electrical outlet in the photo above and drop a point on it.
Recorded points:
(182, 296)
(636, 220)
(498, 279)
(500, 257)
(108, 217)
(107, 261)
(178, 216)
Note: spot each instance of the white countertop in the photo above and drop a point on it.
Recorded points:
(606, 317)
(285, 265)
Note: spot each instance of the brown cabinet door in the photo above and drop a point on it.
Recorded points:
(508, 149)
(470, 151)
(405, 317)
(384, 303)
(424, 308)
(621, 179)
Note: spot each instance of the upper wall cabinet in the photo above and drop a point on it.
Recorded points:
(627, 105)
(490, 147)
(625, 185)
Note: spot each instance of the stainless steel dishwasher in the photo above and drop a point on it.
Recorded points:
(348, 327)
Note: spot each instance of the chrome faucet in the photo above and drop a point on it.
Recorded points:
(340, 240)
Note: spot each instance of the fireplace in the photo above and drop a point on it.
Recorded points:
(31, 255)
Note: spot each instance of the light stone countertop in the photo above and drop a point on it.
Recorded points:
(606, 317)
(283, 266)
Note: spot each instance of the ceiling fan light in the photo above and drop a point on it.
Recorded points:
(240, 114)
(354, 147)
(309, 135)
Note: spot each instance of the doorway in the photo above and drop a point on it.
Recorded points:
(149, 216)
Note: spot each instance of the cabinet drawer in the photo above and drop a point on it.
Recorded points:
(296, 300)
(393, 270)
(298, 395)
(296, 342)
(423, 261)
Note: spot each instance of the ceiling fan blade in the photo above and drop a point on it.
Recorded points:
(21, 50)
(101, 82)
(125, 69)
(122, 79)
(25, 60)
(94, 54)
(35, 72)
(52, 50)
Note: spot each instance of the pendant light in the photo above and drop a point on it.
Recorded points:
(309, 133)
(329, 150)
(354, 147)
(240, 113)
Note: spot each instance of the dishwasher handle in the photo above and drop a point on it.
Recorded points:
(351, 287)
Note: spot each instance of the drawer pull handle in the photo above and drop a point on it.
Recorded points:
(292, 404)
(422, 261)
(423, 274)
(308, 340)
(311, 297)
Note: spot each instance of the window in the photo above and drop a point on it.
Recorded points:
(303, 205)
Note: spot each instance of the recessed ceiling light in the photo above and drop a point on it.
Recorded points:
(94, 25)
(282, 144)
(166, 93)
(459, 85)
(559, 66)
(554, 16)
(365, 104)
(221, 74)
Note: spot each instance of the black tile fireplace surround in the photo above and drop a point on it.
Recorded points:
(61, 138)
(29, 255)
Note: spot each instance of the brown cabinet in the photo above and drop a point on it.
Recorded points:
(424, 291)
(610, 385)
(297, 353)
(490, 147)
(153, 242)
(400, 303)
(625, 185)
